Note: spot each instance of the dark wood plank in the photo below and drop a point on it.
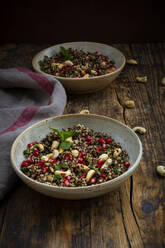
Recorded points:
(132, 216)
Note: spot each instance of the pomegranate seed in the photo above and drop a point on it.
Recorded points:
(104, 146)
(68, 157)
(100, 162)
(97, 53)
(93, 180)
(53, 161)
(24, 164)
(82, 154)
(68, 177)
(88, 142)
(30, 145)
(86, 71)
(89, 138)
(35, 152)
(98, 165)
(101, 141)
(80, 160)
(83, 175)
(98, 148)
(66, 182)
(108, 140)
(31, 160)
(41, 163)
(103, 176)
(45, 169)
(84, 163)
(127, 164)
(82, 75)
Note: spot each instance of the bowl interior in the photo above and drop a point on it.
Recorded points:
(121, 133)
(106, 50)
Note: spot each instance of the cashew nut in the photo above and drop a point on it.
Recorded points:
(82, 167)
(86, 76)
(61, 150)
(130, 104)
(68, 62)
(116, 152)
(90, 174)
(103, 156)
(84, 111)
(41, 147)
(55, 144)
(163, 81)
(55, 153)
(45, 158)
(141, 79)
(50, 155)
(75, 153)
(140, 130)
(50, 178)
(161, 170)
(107, 163)
(69, 139)
(63, 173)
(51, 169)
(131, 61)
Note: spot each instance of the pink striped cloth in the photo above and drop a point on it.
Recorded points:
(25, 98)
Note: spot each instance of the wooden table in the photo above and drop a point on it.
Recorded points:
(132, 216)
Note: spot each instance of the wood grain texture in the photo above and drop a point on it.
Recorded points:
(132, 216)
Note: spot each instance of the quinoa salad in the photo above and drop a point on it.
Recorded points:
(75, 63)
(74, 157)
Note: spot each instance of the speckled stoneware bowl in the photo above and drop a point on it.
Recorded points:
(120, 132)
(88, 85)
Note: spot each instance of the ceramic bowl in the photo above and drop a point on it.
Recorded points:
(88, 85)
(120, 132)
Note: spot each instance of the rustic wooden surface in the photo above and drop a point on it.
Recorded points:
(134, 215)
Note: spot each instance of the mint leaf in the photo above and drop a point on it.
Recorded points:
(24, 169)
(65, 145)
(93, 167)
(63, 134)
(64, 166)
(65, 53)
(56, 177)
(26, 152)
(68, 134)
(57, 167)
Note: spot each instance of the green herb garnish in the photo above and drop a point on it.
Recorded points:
(56, 177)
(64, 166)
(65, 145)
(24, 169)
(57, 167)
(93, 167)
(26, 152)
(63, 134)
(65, 53)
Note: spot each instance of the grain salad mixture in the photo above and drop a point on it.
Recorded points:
(75, 63)
(76, 156)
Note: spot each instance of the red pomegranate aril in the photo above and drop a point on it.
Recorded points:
(45, 169)
(101, 141)
(86, 71)
(68, 177)
(84, 163)
(127, 164)
(31, 160)
(100, 162)
(89, 138)
(108, 140)
(93, 180)
(53, 161)
(88, 143)
(24, 164)
(68, 157)
(98, 165)
(35, 152)
(98, 148)
(80, 160)
(104, 146)
(66, 182)
(83, 175)
(103, 176)
(82, 154)
(40, 163)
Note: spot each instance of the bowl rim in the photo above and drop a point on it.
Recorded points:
(34, 62)
(80, 188)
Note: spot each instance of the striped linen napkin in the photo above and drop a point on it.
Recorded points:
(25, 98)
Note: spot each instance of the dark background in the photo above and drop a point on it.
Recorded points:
(101, 21)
